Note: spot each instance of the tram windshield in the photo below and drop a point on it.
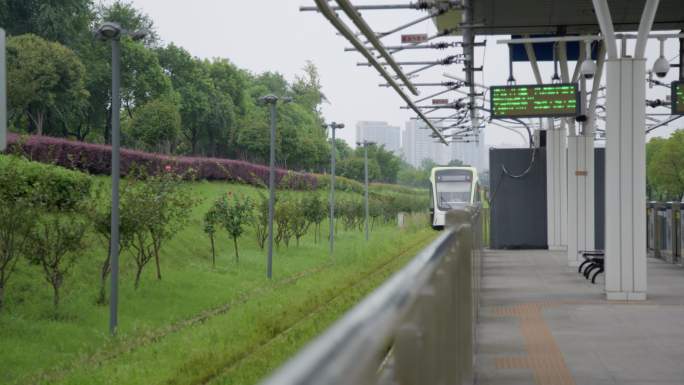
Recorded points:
(453, 188)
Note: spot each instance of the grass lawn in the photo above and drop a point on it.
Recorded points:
(228, 325)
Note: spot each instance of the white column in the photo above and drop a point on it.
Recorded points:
(626, 180)
(580, 196)
(556, 186)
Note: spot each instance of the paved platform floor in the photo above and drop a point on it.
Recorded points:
(542, 323)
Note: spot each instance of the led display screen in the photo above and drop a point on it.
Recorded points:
(677, 98)
(535, 101)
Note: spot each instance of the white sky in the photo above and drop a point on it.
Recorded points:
(272, 35)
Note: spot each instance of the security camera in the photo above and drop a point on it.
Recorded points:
(588, 69)
(661, 67)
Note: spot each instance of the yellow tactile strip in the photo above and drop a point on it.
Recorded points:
(544, 357)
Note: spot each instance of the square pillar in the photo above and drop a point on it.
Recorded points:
(626, 261)
(580, 197)
(556, 186)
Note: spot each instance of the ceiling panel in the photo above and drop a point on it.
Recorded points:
(572, 16)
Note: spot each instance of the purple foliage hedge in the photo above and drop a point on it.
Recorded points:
(96, 159)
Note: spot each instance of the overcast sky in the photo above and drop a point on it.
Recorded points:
(272, 35)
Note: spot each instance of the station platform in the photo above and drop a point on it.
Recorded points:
(542, 323)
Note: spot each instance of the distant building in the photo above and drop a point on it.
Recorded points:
(380, 133)
(468, 153)
(418, 145)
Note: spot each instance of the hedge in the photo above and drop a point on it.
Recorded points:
(96, 159)
(45, 185)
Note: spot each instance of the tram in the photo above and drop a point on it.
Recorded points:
(451, 188)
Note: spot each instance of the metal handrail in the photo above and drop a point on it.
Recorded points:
(422, 316)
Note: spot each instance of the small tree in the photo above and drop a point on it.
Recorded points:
(298, 220)
(374, 210)
(211, 221)
(283, 218)
(157, 208)
(55, 244)
(314, 211)
(156, 125)
(16, 221)
(101, 220)
(236, 213)
(171, 204)
(260, 221)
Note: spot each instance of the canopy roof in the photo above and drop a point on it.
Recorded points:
(506, 17)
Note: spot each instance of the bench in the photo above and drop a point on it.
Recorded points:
(593, 263)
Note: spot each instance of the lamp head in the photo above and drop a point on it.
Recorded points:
(108, 31)
(268, 99)
(138, 35)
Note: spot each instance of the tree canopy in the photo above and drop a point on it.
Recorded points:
(172, 102)
(665, 167)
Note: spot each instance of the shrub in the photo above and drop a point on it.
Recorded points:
(27, 191)
(47, 186)
(96, 159)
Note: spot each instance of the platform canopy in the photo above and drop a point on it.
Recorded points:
(506, 17)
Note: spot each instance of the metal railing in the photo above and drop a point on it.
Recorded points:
(417, 328)
(665, 231)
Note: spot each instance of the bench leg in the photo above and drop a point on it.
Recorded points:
(589, 269)
(593, 279)
(579, 271)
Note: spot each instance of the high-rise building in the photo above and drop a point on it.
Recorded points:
(380, 133)
(418, 145)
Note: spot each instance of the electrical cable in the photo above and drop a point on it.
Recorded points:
(533, 157)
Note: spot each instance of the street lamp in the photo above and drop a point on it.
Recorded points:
(365, 145)
(333, 126)
(113, 32)
(271, 100)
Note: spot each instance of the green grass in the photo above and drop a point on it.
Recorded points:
(198, 324)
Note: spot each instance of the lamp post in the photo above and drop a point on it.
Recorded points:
(333, 126)
(365, 145)
(112, 32)
(271, 101)
(3, 91)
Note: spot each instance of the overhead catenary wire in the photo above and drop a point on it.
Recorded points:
(361, 24)
(349, 35)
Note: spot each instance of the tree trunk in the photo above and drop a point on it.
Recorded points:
(55, 296)
(137, 277)
(104, 273)
(213, 252)
(156, 261)
(237, 256)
